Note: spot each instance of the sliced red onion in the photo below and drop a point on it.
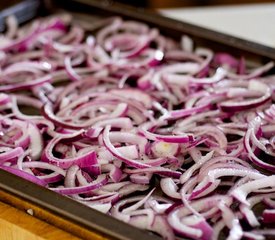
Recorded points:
(36, 142)
(232, 222)
(93, 132)
(138, 204)
(186, 112)
(141, 178)
(184, 138)
(232, 106)
(187, 174)
(29, 66)
(26, 85)
(123, 123)
(4, 99)
(114, 172)
(70, 71)
(104, 156)
(254, 74)
(47, 111)
(248, 212)
(10, 154)
(169, 187)
(125, 216)
(269, 202)
(197, 228)
(130, 138)
(241, 192)
(37, 29)
(218, 76)
(42, 165)
(142, 44)
(164, 149)
(99, 182)
(115, 153)
(159, 205)
(156, 170)
(269, 216)
(225, 59)
(86, 160)
(254, 126)
(211, 182)
(134, 94)
(109, 115)
(12, 26)
(102, 207)
(161, 226)
(142, 218)
(24, 175)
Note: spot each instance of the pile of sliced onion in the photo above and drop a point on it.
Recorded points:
(164, 136)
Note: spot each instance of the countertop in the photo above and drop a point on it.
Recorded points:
(254, 22)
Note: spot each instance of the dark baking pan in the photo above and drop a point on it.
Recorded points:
(62, 211)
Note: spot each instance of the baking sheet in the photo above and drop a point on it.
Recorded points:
(69, 209)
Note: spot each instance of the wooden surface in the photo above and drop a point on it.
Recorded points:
(17, 224)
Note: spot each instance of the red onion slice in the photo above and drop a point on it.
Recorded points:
(86, 160)
(232, 106)
(99, 182)
(107, 143)
(24, 175)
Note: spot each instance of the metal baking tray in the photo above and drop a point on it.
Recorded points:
(62, 211)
